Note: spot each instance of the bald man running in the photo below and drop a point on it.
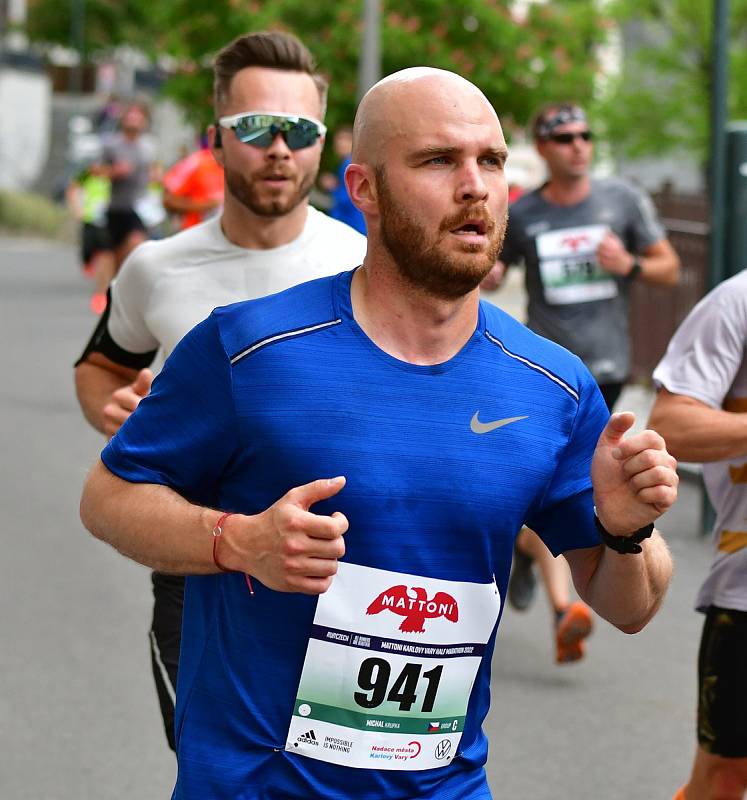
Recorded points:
(338, 632)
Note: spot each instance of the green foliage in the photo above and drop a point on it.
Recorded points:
(28, 213)
(519, 65)
(662, 99)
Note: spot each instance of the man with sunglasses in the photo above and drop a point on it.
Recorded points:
(583, 241)
(268, 138)
(338, 631)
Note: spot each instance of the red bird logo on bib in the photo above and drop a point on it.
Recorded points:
(413, 604)
(574, 242)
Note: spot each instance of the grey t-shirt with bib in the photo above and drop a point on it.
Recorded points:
(572, 300)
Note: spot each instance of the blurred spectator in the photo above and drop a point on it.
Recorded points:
(128, 162)
(87, 197)
(107, 119)
(193, 187)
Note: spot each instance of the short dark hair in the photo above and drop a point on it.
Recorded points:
(269, 49)
(550, 110)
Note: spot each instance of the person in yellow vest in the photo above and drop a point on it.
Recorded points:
(87, 196)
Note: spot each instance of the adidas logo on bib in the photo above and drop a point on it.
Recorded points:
(307, 738)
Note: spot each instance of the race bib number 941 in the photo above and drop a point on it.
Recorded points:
(389, 669)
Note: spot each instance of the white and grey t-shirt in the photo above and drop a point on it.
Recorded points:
(166, 287)
(572, 300)
(707, 360)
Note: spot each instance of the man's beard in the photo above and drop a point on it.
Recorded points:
(264, 204)
(418, 256)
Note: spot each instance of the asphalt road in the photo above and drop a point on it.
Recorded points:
(78, 714)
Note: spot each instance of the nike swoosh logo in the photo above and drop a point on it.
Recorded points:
(485, 427)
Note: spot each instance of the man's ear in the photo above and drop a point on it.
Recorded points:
(215, 142)
(361, 185)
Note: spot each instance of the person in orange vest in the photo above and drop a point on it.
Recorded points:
(193, 187)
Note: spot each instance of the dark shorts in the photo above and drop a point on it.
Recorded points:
(722, 683)
(93, 239)
(121, 223)
(165, 638)
(611, 393)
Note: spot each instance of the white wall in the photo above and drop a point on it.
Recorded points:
(25, 98)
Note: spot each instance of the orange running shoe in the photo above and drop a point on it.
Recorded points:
(98, 302)
(571, 630)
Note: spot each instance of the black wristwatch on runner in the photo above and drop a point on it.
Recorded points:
(624, 544)
(635, 269)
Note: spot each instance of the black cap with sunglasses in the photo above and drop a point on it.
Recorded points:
(563, 114)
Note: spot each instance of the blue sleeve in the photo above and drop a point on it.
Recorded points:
(184, 433)
(564, 516)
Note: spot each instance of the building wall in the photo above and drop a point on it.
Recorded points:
(25, 97)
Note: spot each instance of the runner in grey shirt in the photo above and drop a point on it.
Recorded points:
(573, 300)
(127, 160)
(131, 185)
(582, 241)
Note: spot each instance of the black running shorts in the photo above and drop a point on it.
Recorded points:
(121, 223)
(93, 240)
(722, 683)
(165, 637)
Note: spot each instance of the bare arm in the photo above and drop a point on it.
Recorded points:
(74, 200)
(635, 481)
(287, 547)
(624, 589)
(179, 204)
(697, 432)
(109, 392)
(660, 264)
(119, 169)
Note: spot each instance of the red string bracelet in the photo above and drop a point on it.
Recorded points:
(217, 532)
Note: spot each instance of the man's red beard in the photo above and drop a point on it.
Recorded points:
(420, 258)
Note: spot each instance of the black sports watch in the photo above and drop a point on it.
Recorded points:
(635, 269)
(624, 544)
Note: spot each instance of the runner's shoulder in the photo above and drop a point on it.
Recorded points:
(514, 340)
(338, 235)
(730, 292)
(527, 203)
(154, 256)
(295, 311)
(614, 186)
(725, 306)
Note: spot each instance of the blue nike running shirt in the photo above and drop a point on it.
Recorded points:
(274, 393)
